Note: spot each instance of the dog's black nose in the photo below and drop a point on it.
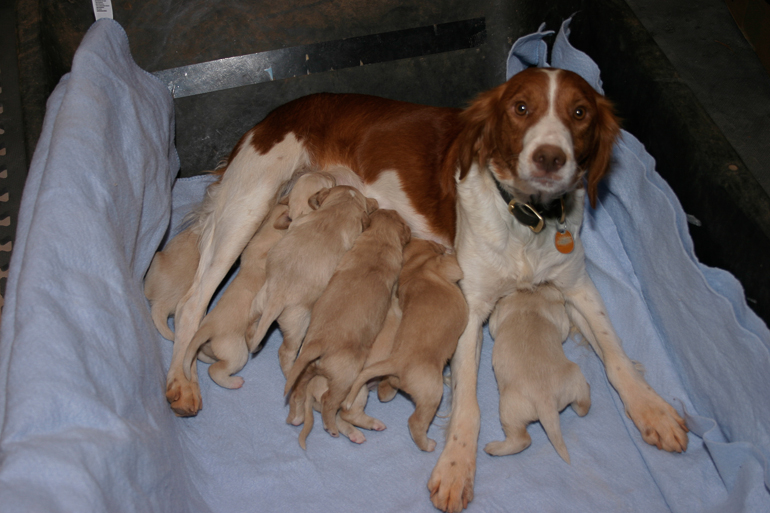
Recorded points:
(549, 158)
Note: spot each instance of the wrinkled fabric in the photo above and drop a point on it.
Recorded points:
(86, 427)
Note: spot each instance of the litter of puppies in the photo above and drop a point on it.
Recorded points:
(359, 301)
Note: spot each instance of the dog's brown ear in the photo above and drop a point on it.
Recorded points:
(479, 122)
(282, 222)
(371, 205)
(606, 132)
(316, 200)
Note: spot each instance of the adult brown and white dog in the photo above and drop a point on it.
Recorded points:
(535, 138)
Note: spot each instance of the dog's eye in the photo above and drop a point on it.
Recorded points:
(579, 113)
(521, 108)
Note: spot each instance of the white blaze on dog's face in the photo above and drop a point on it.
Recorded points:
(546, 166)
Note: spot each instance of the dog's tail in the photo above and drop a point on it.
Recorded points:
(309, 352)
(549, 418)
(307, 427)
(266, 318)
(381, 368)
(202, 336)
(160, 314)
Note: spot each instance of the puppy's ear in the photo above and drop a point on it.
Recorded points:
(479, 122)
(284, 200)
(405, 233)
(606, 132)
(365, 221)
(438, 248)
(316, 200)
(449, 268)
(371, 205)
(282, 222)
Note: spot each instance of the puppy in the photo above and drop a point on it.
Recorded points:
(354, 416)
(223, 331)
(170, 276)
(434, 316)
(535, 379)
(305, 187)
(349, 314)
(301, 264)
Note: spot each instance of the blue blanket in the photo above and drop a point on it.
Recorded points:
(86, 427)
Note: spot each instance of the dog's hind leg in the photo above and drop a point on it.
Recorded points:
(294, 321)
(233, 356)
(387, 389)
(349, 431)
(356, 416)
(230, 215)
(515, 414)
(426, 388)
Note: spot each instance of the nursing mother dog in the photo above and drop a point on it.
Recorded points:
(497, 181)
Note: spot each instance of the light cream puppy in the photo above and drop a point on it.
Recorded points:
(222, 334)
(300, 265)
(434, 316)
(170, 276)
(350, 313)
(535, 379)
(304, 188)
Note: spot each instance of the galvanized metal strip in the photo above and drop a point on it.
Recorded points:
(321, 57)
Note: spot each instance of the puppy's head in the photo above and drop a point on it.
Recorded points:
(541, 131)
(305, 187)
(393, 219)
(316, 200)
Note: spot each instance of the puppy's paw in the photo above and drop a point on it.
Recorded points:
(231, 382)
(378, 425)
(451, 482)
(659, 423)
(357, 437)
(184, 397)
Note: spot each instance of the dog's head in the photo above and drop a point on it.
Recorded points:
(541, 131)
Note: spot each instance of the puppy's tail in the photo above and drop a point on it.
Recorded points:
(549, 418)
(202, 336)
(267, 317)
(307, 354)
(307, 427)
(160, 315)
(382, 368)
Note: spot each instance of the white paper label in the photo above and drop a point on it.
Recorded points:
(102, 8)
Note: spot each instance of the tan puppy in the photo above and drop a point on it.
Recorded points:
(535, 379)
(350, 313)
(304, 188)
(301, 264)
(434, 316)
(170, 276)
(355, 416)
(223, 331)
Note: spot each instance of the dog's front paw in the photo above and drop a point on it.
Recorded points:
(659, 423)
(184, 397)
(451, 483)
